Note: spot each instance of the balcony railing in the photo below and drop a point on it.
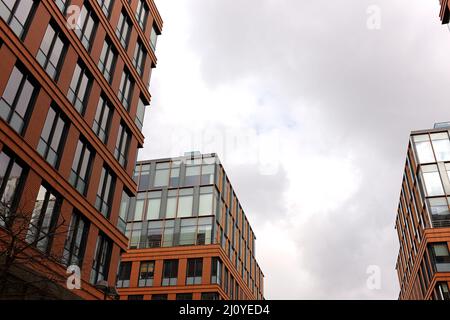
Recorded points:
(441, 223)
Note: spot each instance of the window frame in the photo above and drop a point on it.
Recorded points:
(85, 147)
(170, 273)
(124, 22)
(58, 35)
(122, 147)
(22, 32)
(47, 145)
(101, 260)
(87, 41)
(194, 267)
(73, 93)
(34, 234)
(110, 58)
(13, 161)
(25, 78)
(147, 281)
(100, 201)
(103, 132)
(126, 88)
(72, 235)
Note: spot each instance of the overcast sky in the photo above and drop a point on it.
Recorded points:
(309, 105)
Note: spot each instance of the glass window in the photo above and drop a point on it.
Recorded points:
(205, 207)
(17, 14)
(207, 174)
(153, 205)
(438, 206)
(159, 296)
(216, 271)
(225, 280)
(123, 29)
(204, 234)
(440, 256)
(187, 232)
(210, 296)
(139, 58)
(61, 4)
(123, 277)
(144, 181)
(126, 89)
(140, 113)
(122, 145)
(81, 167)
(53, 136)
(106, 6)
(192, 175)
(133, 233)
(107, 61)
(139, 208)
(102, 257)
(447, 168)
(80, 87)
(170, 273)
(102, 119)
(168, 233)
(142, 14)
(18, 99)
(432, 180)
(423, 148)
(12, 173)
(175, 174)
(146, 273)
(184, 296)
(154, 37)
(105, 192)
(441, 146)
(194, 271)
(123, 211)
(161, 174)
(75, 245)
(44, 218)
(86, 26)
(137, 297)
(441, 291)
(51, 52)
(171, 207)
(154, 234)
(185, 203)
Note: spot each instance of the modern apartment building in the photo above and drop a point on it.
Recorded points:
(445, 11)
(73, 90)
(189, 236)
(423, 219)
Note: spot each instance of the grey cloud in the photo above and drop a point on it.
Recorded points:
(371, 88)
(261, 196)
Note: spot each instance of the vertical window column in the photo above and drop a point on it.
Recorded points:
(53, 136)
(44, 219)
(18, 99)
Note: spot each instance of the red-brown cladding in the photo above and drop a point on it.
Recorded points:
(15, 51)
